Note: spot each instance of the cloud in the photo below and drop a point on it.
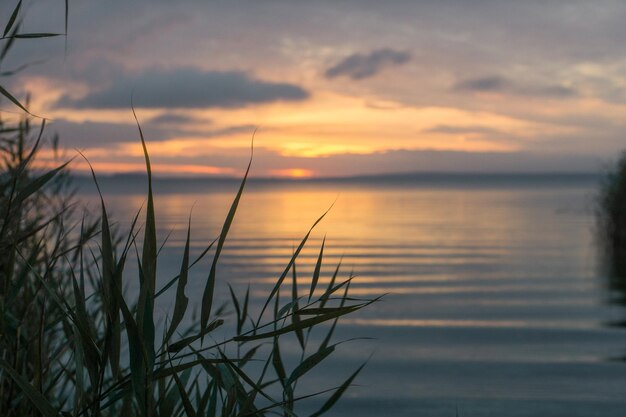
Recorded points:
(228, 131)
(360, 66)
(174, 119)
(98, 134)
(460, 130)
(484, 84)
(186, 88)
(498, 84)
(89, 134)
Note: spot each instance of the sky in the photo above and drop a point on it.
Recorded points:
(332, 88)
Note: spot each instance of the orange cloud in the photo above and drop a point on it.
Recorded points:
(172, 169)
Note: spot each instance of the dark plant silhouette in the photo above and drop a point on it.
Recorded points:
(74, 343)
(611, 227)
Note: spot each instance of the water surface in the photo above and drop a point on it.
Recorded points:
(495, 302)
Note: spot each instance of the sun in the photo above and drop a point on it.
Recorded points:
(292, 173)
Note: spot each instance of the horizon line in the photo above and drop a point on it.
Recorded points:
(381, 176)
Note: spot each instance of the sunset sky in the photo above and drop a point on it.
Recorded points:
(335, 88)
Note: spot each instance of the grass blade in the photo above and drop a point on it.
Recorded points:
(237, 309)
(337, 394)
(302, 325)
(328, 292)
(36, 35)
(189, 410)
(181, 344)
(290, 265)
(7, 28)
(207, 297)
(182, 301)
(329, 335)
(145, 304)
(309, 363)
(36, 184)
(316, 272)
(295, 319)
(35, 397)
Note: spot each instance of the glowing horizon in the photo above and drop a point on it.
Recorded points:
(444, 97)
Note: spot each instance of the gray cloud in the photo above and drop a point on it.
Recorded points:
(174, 119)
(228, 131)
(92, 134)
(187, 88)
(360, 66)
(483, 84)
(453, 130)
(498, 84)
(97, 134)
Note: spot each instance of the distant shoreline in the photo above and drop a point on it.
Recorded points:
(131, 183)
(426, 175)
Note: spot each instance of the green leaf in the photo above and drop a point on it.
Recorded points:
(207, 297)
(337, 394)
(182, 301)
(329, 335)
(7, 28)
(111, 279)
(79, 373)
(302, 325)
(181, 344)
(289, 265)
(249, 355)
(309, 363)
(137, 349)
(189, 410)
(67, 12)
(295, 319)
(145, 304)
(327, 293)
(232, 380)
(237, 308)
(287, 307)
(316, 272)
(36, 35)
(212, 411)
(166, 371)
(84, 339)
(177, 277)
(203, 399)
(36, 184)
(35, 397)
(315, 311)
(244, 309)
(277, 362)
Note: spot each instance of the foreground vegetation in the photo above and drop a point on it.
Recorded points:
(73, 342)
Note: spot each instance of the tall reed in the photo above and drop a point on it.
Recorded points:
(74, 343)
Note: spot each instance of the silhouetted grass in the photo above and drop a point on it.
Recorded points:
(74, 343)
(611, 225)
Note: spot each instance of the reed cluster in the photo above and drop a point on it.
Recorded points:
(75, 342)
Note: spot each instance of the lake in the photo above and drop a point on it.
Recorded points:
(496, 304)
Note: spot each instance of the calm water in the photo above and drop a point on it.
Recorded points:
(495, 306)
